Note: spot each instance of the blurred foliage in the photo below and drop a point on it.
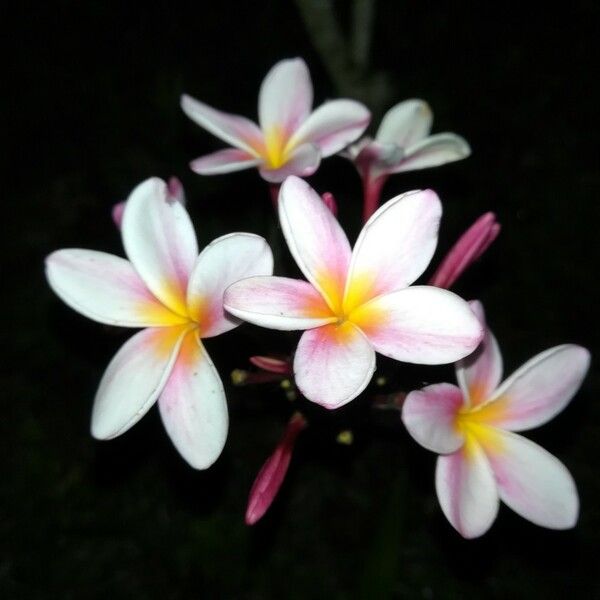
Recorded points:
(91, 109)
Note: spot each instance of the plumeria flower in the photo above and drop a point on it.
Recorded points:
(472, 427)
(402, 143)
(268, 482)
(291, 139)
(468, 248)
(357, 302)
(176, 295)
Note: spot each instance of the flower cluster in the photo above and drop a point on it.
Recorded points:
(354, 302)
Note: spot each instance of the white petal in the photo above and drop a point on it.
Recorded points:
(285, 97)
(333, 126)
(466, 490)
(333, 364)
(277, 303)
(160, 241)
(406, 123)
(480, 373)
(233, 129)
(394, 247)
(134, 379)
(224, 261)
(193, 406)
(434, 151)
(224, 161)
(535, 484)
(315, 239)
(105, 288)
(430, 414)
(540, 389)
(420, 324)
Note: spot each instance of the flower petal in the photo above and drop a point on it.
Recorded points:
(238, 131)
(105, 288)
(333, 364)
(277, 303)
(429, 415)
(224, 161)
(466, 489)
(480, 373)
(271, 475)
(224, 261)
(535, 484)
(420, 324)
(394, 247)
(332, 126)
(160, 241)
(193, 406)
(468, 248)
(315, 239)
(406, 123)
(539, 390)
(303, 161)
(134, 379)
(285, 97)
(434, 151)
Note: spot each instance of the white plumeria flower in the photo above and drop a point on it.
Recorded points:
(402, 143)
(291, 139)
(176, 295)
(482, 461)
(357, 302)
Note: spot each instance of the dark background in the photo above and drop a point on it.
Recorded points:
(91, 109)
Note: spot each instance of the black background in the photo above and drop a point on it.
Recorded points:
(91, 109)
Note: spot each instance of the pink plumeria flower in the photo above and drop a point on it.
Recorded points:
(176, 295)
(268, 482)
(291, 139)
(402, 143)
(482, 461)
(469, 247)
(175, 192)
(357, 302)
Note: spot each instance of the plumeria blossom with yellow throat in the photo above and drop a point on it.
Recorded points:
(357, 302)
(482, 460)
(291, 139)
(175, 295)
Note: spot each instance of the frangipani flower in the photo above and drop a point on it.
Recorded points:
(291, 140)
(176, 295)
(357, 302)
(271, 475)
(468, 248)
(402, 143)
(482, 461)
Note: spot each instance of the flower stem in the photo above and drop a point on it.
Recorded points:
(372, 193)
(274, 189)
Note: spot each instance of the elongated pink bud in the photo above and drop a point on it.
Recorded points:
(330, 202)
(272, 364)
(271, 476)
(175, 193)
(469, 247)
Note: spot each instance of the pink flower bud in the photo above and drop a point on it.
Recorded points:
(469, 247)
(272, 364)
(271, 476)
(330, 202)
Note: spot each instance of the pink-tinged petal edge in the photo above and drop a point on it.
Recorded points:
(228, 160)
(430, 414)
(270, 477)
(479, 374)
(272, 364)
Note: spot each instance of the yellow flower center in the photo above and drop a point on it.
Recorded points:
(275, 153)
